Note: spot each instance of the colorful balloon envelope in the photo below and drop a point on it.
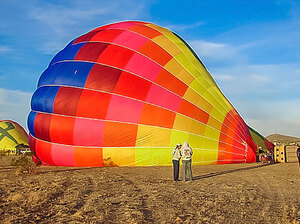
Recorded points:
(125, 94)
(11, 135)
(261, 141)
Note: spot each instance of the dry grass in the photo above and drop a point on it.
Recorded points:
(24, 164)
(236, 193)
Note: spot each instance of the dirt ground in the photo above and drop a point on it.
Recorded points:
(235, 193)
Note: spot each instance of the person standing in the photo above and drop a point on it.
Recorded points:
(187, 152)
(298, 154)
(176, 159)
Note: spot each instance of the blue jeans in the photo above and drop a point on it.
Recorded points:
(187, 167)
(176, 169)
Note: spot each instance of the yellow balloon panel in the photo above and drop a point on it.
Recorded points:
(187, 124)
(185, 50)
(167, 44)
(209, 97)
(119, 157)
(206, 84)
(217, 114)
(219, 96)
(197, 156)
(196, 141)
(197, 127)
(198, 100)
(211, 132)
(208, 156)
(191, 96)
(174, 39)
(193, 70)
(213, 122)
(182, 123)
(185, 62)
(159, 28)
(173, 66)
(153, 136)
(178, 137)
(198, 87)
(185, 76)
(211, 144)
(223, 109)
(153, 156)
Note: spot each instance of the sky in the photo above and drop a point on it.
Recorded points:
(251, 49)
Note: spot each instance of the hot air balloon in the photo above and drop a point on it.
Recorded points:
(12, 135)
(261, 141)
(125, 94)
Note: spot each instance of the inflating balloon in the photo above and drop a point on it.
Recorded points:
(261, 141)
(11, 135)
(125, 94)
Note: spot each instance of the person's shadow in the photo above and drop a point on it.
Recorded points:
(228, 171)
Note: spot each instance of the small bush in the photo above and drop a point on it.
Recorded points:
(108, 162)
(4, 153)
(24, 164)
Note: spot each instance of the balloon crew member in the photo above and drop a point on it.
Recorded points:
(187, 153)
(298, 154)
(176, 159)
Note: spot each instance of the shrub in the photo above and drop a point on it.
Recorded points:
(24, 164)
(4, 152)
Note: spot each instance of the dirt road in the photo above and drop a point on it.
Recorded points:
(236, 193)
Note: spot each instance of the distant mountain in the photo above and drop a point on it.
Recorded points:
(283, 139)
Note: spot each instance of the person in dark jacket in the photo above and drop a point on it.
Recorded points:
(298, 154)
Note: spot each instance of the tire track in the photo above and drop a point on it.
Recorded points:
(137, 210)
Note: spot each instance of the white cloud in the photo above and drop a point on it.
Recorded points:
(58, 24)
(208, 48)
(249, 79)
(266, 95)
(15, 105)
(276, 78)
(259, 78)
(58, 17)
(181, 27)
(211, 52)
(4, 49)
(223, 77)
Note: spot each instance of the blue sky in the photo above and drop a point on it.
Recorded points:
(251, 48)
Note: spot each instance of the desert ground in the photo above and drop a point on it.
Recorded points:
(233, 193)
